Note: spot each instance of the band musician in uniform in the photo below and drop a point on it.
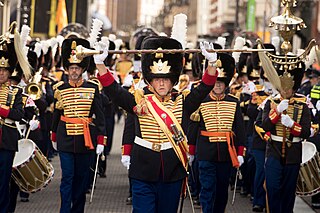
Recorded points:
(157, 159)
(77, 119)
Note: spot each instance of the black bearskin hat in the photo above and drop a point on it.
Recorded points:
(226, 71)
(68, 48)
(242, 64)
(161, 65)
(8, 57)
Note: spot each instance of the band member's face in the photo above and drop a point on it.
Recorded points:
(162, 85)
(287, 94)
(219, 88)
(4, 75)
(75, 72)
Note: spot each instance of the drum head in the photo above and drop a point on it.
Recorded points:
(26, 148)
(308, 151)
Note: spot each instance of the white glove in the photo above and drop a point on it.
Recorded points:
(240, 160)
(191, 159)
(283, 106)
(125, 160)
(312, 132)
(211, 57)
(34, 124)
(318, 105)
(54, 145)
(99, 149)
(101, 46)
(286, 121)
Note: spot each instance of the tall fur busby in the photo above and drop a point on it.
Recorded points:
(161, 65)
(68, 50)
(227, 70)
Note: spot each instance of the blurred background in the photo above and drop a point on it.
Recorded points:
(207, 19)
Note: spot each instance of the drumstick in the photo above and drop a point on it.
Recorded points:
(28, 132)
(94, 179)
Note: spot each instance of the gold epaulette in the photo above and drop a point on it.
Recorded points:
(195, 116)
(138, 95)
(260, 131)
(233, 96)
(196, 83)
(24, 98)
(300, 99)
(54, 87)
(185, 93)
(93, 82)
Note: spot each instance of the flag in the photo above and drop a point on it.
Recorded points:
(61, 16)
(251, 15)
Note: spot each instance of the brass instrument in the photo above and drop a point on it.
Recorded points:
(34, 91)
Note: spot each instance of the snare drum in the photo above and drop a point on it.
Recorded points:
(31, 169)
(309, 175)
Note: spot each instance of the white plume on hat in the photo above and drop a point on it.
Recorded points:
(222, 41)
(112, 37)
(45, 44)
(118, 43)
(25, 31)
(95, 31)
(238, 45)
(37, 49)
(179, 29)
(60, 40)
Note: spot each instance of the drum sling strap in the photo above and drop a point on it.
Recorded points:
(161, 113)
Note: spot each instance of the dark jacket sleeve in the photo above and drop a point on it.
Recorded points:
(238, 127)
(120, 96)
(99, 120)
(16, 112)
(267, 125)
(194, 99)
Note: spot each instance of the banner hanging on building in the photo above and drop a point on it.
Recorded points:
(251, 15)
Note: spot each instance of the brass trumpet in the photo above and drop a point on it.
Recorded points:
(34, 91)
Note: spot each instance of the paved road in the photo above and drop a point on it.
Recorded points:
(111, 192)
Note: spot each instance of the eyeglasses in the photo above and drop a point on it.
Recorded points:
(75, 68)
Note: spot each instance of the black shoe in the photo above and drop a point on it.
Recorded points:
(129, 200)
(257, 208)
(103, 175)
(24, 199)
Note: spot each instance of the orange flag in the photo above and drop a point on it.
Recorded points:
(61, 16)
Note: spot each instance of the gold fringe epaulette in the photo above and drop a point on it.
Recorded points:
(233, 96)
(54, 87)
(138, 95)
(93, 82)
(299, 99)
(185, 93)
(195, 116)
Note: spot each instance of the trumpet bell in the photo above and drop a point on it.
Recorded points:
(34, 91)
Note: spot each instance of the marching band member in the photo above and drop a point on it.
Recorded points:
(157, 160)
(221, 132)
(11, 110)
(77, 113)
(288, 120)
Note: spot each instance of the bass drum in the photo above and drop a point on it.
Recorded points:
(309, 175)
(31, 169)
